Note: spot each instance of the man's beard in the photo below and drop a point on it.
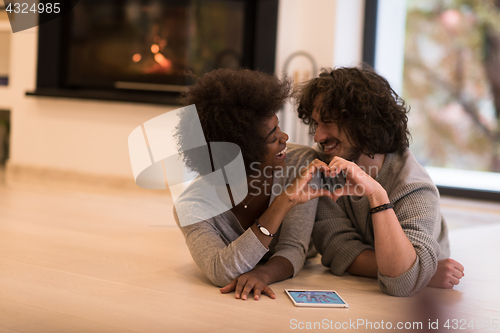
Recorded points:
(351, 154)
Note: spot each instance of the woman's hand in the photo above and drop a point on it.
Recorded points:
(358, 182)
(245, 283)
(301, 191)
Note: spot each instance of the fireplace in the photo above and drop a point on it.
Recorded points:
(145, 50)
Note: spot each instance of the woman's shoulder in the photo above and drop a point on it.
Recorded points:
(297, 153)
(297, 157)
(201, 201)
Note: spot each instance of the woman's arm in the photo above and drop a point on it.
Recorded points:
(222, 260)
(298, 192)
(219, 251)
(288, 259)
(258, 279)
(299, 201)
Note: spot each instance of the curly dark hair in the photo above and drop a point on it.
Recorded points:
(232, 106)
(363, 104)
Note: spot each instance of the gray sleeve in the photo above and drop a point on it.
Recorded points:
(295, 234)
(335, 237)
(296, 228)
(418, 214)
(220, 260)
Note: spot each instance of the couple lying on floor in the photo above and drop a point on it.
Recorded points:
(360, 197)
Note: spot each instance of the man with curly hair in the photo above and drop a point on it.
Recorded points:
(386, 221)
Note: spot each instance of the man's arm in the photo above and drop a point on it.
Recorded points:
(337, 240)
(448, 273)
(405, 248)
(364, 265)
(417, 209)
(394, 252)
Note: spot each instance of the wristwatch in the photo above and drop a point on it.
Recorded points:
(263, 229)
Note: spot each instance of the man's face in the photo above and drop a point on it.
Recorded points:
(332, 141)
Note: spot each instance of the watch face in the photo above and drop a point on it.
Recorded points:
(265, 231)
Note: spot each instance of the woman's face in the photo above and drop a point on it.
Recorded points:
(276, 143)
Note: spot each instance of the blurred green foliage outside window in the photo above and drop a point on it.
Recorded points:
(452, 82)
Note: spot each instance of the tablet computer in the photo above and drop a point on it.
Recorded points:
(316, 298)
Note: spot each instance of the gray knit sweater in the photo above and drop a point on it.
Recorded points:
(344, 228)
(224, 250)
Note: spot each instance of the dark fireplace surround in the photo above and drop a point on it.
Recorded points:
(258, 49)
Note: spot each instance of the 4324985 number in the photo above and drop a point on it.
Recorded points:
(24, 8)
(462, 324)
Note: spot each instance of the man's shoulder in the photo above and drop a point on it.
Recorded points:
(410, 169)
(406, 172)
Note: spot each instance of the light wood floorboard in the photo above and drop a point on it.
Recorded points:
(85, 262)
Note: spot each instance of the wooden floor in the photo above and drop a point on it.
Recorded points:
(86, 262)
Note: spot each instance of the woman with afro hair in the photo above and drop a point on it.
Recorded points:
(272, 225)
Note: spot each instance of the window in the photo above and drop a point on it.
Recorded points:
(446, 68)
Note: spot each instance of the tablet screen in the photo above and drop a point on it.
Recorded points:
(327, 297)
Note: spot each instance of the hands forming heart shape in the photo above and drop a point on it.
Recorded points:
(357, 181)
(350, 180)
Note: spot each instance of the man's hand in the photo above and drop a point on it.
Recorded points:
(448, 274)
(358, 182)
(245, 283)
